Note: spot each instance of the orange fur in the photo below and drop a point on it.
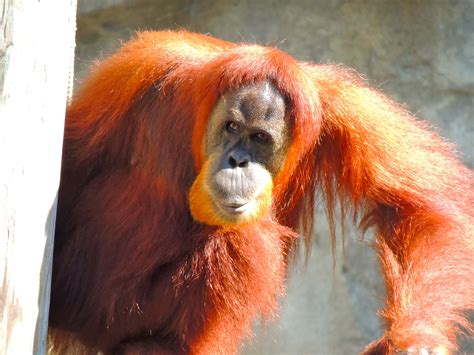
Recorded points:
(134, 271)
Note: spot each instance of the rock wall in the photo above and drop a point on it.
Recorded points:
(419, 52)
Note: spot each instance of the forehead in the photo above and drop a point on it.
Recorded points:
(255, 102)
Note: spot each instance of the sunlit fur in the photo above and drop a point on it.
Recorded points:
(130, 259)
(203, 207)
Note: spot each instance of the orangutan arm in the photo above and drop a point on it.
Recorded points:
(403, 180)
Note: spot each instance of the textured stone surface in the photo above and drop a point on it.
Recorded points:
(84, 6)
(419, 52)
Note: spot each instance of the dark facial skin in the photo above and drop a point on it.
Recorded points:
(246, 142)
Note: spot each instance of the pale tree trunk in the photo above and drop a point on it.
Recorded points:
(36, 62)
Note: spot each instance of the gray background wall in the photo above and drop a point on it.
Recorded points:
(419, 52)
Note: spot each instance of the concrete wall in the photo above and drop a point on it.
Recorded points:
(419, 52)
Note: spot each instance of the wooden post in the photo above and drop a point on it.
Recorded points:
(36, 62)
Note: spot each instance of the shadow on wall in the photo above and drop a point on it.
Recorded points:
(420, 53)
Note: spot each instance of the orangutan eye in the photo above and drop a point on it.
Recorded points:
(232, 127)
(261, 137)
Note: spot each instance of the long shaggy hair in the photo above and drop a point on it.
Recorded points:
(134, 272)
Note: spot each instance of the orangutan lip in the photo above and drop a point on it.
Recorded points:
(235, 208)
